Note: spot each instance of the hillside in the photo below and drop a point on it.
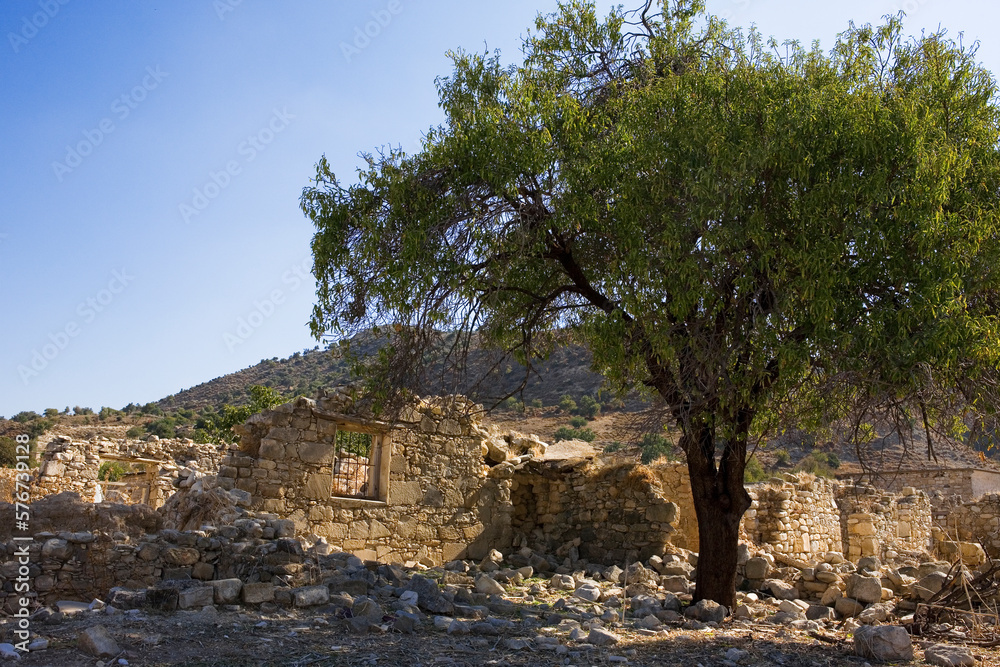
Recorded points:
(567, 371)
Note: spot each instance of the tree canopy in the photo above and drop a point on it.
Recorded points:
(732, 224)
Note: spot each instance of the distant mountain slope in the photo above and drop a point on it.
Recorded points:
(567, 371)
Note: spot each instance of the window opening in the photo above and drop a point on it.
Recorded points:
(356, 464)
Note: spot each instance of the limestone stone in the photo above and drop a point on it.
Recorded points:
(97, 642)
(885, 643)
(949, 656)
(195, 597)
(310, 596)
(866, 590)
(706, 611)
(226, 591)
(256, 593)
(757, 568)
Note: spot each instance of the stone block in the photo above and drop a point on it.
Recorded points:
(318, 486)
(195, 597)
(405, 493)
(97, 642)
(226, 591)
(310, 596)
(885, 643)
(272, 449)
(316, 452)
(256, 593)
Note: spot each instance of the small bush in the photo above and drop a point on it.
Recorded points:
(781, 457)
(754, 472)
(8, 452)
(588, 407)
(612, 447)
(112, 471)
(135, 432)
(578, 422)
(537, 403)
(819, 463)
(51, 412)
(567, 433)
(654, 446)
(567, 404)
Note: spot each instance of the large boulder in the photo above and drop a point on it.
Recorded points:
(885, 643)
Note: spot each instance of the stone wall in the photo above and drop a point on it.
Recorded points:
(976, 521)
(795, 515)
(591, 509)
(877, 523)
(82, 564)
(440, 502)
(73, 465)
(969, 483)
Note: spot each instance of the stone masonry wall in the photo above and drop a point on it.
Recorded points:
(797, 516)
(73, 465)
(969, 483)
(441, 504)
(971, 521)
(589, 509)
(876, 523)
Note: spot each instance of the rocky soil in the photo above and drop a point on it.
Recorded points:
(525, 609)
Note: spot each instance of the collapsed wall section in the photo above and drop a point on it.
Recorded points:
(876, 523)
(153, 465)
(588, 509)
(975, 521)
(795, 515)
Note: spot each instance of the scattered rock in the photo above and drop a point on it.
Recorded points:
(885, 643)
(949, 656)
(96, 641)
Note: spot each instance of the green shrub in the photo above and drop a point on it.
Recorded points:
(819, 463)
(8, 452)
(578, 422)
(781, 457)
(112, 471)
(51, 412)
(754, 472)
(654, 445)
(219, 427)
(588, 407)
(537, 403)
(612, 447)
(164, 427)
(567, 433)
(135, 432)
(567, 404)
(512, 403)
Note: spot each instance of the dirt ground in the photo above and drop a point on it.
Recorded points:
(319, 638)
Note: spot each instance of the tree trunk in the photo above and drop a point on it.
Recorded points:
(720, 500)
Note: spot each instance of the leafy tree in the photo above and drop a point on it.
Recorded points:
(51, 412)
(731, 227)
(219, 429)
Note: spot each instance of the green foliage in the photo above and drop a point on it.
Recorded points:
(513, 403)
(112, 471)
(567, 404)
(821, 464)
(754, 472)
(654, 446)
(135, 432)
(735, 229)
(781, 457)
(51, 412)
(588, 407)
(8, 452)
(82, 411)
(568, 433)
(537, 403)
(612, 447)
(164, 427)
(578, 422)
(26, 416)
(219, 428)
(353, 442)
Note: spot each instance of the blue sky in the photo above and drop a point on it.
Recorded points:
(153, 154)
